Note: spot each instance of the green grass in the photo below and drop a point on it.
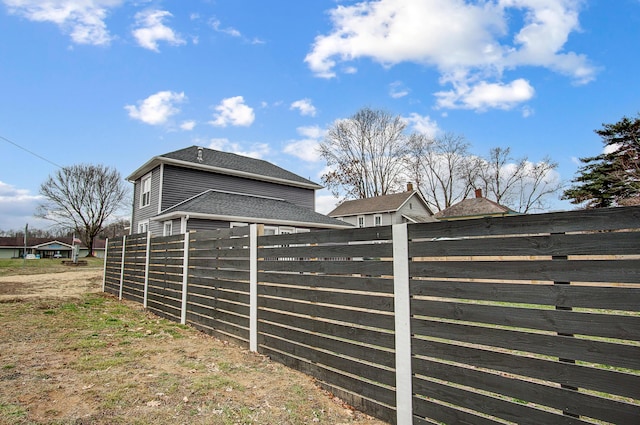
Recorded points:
(14, 266)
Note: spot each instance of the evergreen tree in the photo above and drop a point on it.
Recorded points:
(612, 178)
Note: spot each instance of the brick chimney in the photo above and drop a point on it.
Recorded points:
(409, 187)
(478, 193)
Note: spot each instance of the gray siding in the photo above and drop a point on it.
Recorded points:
(145, 213)
(183, 183)
(414, 207)
(199, 224)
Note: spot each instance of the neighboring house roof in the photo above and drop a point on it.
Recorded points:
(225, 163)
(376, 204)
(474, 207)
(229, 206)
(40, 243)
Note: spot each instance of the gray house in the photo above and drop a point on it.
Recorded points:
(203, 189)
(404, 207)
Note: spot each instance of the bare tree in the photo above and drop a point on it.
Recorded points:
(521, 185)
(441, 168)
(82, 197)
(364, 154)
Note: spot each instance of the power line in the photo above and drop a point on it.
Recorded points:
(31, 152)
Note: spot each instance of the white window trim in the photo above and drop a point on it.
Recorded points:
(377, 220)
(164, 228)
(143, 226)
(286, 230)
(364, 223)
(142, 191)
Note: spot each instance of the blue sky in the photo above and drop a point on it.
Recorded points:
(117, 82)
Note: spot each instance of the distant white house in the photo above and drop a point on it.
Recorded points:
(13, 247)
(404, 207)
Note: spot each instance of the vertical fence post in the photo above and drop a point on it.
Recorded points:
(253, 287)
(565, 308)
(104, 268)
(402, 312)
(185, 278)
(124, 245)
(147, 261)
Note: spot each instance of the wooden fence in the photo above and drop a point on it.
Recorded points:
(527, 319)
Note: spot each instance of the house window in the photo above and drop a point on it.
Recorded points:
(360, 221)
(287, 230)
(377, 220)
(145, 193)
(167, 229)
(143, 227)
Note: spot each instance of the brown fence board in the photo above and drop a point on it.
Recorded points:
(561, 321)
(367, 301)
(618, 243)
(370, 268)
(226, 263)
(296, 343)
(569, 401)
(625, 299)
(352, 339)
(572, 221)
(368, 284)
(571, 374)
(617, 355)
(329, 251)
(618, 271)
(203, 275)
(356, 317)
(504, 409)
(350, 382)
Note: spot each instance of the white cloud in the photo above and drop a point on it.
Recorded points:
(424, 125)
(397, 90)
(217, 25)
(150, 29)
(157, 108)
(83, 20)
(306, 148)
(256, 150)
(17, 207)
(188, 125)
(470, 43)
(233, 111)
(305, 107)
(325, 203)
(483, 95)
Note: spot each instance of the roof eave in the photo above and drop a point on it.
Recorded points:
(179, 214)
(157, 160)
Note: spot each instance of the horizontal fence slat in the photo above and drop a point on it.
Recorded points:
(350, 283)
(337, 334)
(561, 321)
(606, 298)
(617, 355)
(572, 221)
(329, 251)
(360, 267)
(362, 318)
(364, 301)
(614, 271)
(618, 243)
(564, 373)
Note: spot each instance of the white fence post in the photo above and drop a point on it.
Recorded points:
(104, 267)
(402, 311)
(147, 261)
(185, 278)
(124, 245)
(253, 287)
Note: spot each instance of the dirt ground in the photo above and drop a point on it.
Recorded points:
(70, 354)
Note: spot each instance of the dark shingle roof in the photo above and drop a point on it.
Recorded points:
(377, 204)
(226, 205)
(472, 207)
(227, 163)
